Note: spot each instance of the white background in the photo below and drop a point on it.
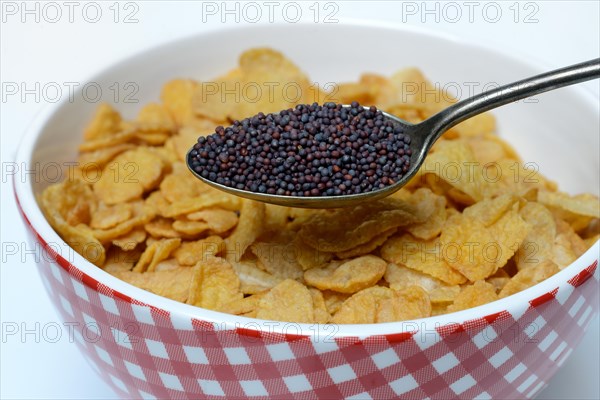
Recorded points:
(558, 33)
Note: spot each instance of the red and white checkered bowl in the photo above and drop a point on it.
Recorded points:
(152, 347)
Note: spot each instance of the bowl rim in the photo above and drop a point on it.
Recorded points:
(516, 304)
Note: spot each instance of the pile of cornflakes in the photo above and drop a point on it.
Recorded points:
(473, 226)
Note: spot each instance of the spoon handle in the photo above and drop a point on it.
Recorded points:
(512, 92)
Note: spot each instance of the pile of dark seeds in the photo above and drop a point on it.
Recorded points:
(310, 150)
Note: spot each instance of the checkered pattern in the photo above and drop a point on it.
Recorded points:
(146, 352)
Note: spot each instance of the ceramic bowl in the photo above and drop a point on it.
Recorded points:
(148, 346)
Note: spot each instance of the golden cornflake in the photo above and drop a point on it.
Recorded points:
(343, 229)
(321, 315)
(333, 300)
(258, 68)
(276, 217)
(214, 284)
(173, 284)
(278, 256)
(118, 138)
(423, 256)
(67, 208)
(400, 277)
(453, 162)
(108, 216)
(409, 303)
(403, 276)
(155, 118)
(130, 240)
(362, 307)
(309, 257)
(288, 301)
(207, 200)
(141, 215)
(539, 242)
(432, 210)
(217, 220)
(254, 279)
(106, 122)
(176, 97)
(583, 204)
(155, 253)
(248, 229)
(348, 277)
(567, 245)
(368, 247)
(99, 158)
(183, 185)
(128, 176)
(478, 242)
(190, 253)
(190, 228)
(244, 305)
(162, 227)
(529, 277)
(474, 295)
(499, 279)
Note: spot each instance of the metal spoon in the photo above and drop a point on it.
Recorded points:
(424, 134)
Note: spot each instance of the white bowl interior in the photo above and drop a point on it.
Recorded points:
(558, 132)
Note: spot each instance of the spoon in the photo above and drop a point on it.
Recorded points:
(424, 134)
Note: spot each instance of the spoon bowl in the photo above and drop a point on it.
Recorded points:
(424, 134)
(416, 159)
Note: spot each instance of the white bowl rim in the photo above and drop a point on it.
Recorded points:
(516, 304)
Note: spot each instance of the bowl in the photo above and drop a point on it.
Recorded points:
(144, 345)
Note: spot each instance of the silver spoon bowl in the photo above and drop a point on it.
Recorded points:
(424, 134)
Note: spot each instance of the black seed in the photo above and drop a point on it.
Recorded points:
(309, 150)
